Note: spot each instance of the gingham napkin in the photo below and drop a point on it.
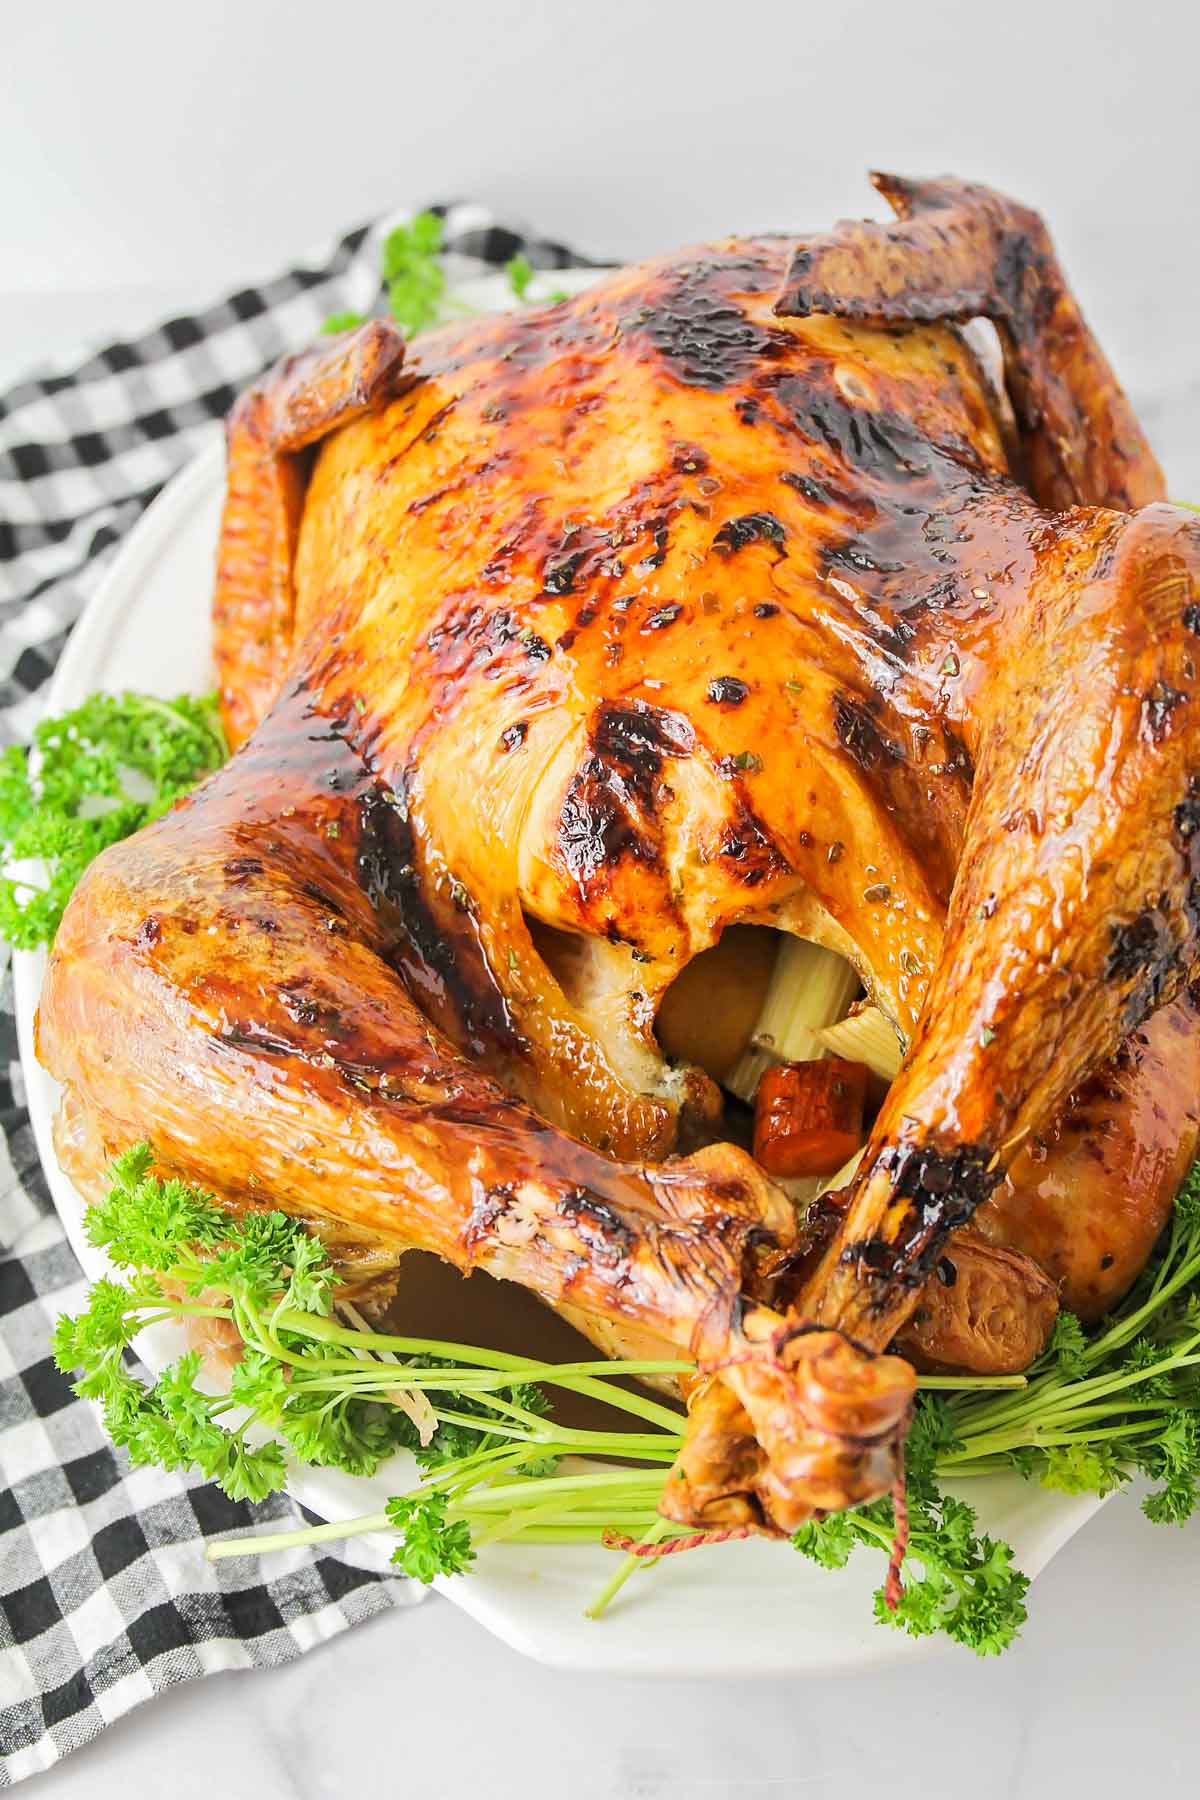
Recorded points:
(105, 1598)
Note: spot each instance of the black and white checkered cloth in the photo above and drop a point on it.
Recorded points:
(105, 1598)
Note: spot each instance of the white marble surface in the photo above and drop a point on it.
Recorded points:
(141, 175)
(1098, 1698)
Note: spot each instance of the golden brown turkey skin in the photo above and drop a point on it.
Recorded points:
(616, 554)
(636, 617)
(271, 425)
(985, 1308)
(962, 252)
(1089, 1195)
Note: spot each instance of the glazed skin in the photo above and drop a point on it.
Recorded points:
(591, 631)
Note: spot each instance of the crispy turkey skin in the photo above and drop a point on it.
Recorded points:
(730, 591)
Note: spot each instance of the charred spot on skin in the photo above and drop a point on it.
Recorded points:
(882, 444)
(250, 1034)
(559, 576)
(806, 487)
(513, 736)
(308, 1010)
(874, 1255)
(527, 523)
(1187, 832)
(610, 806)
(751, 528)
(943, 1190)
(664, 616)
(384, 856)
(444, 950)
(607, 1237)
(660, 537)
(702, 335)
(749, 846)
(490, 1204)
(639, 736)
(957, 756)
(148, 933)
(727, 691)
(313, 891)
(239, 870)
(1158, 705)
(857, 558)
(1139, 944)
(1144, 951)
(1191, 618)
(689, 459)
(894, 635)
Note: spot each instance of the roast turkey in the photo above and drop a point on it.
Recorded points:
(740, 590)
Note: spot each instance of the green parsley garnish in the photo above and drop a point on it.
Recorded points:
(94, 775)
(954, 1580)
(520, 273)
(343, 321)
(413, 273)
(418, 294)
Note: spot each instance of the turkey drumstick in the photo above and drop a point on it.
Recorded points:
(1076, 906)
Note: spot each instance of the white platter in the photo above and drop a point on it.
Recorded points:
(745, 1609)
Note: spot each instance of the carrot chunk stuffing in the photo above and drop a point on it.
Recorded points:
(808, 1116)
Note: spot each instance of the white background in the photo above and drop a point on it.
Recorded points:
(151, 154)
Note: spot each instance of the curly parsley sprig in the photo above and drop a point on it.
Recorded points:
(93, 775)
(955, 1581)
(415, 281)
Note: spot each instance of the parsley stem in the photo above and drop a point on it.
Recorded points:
(1041, 1436)
(254, 1545)
(967, 1383)
(1128, 1327)
(527, 1368)
(488, 1499)
(517, 1523)
(182, 1309)
(625, 1568)
(631, 1443)
(1057, 1399)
